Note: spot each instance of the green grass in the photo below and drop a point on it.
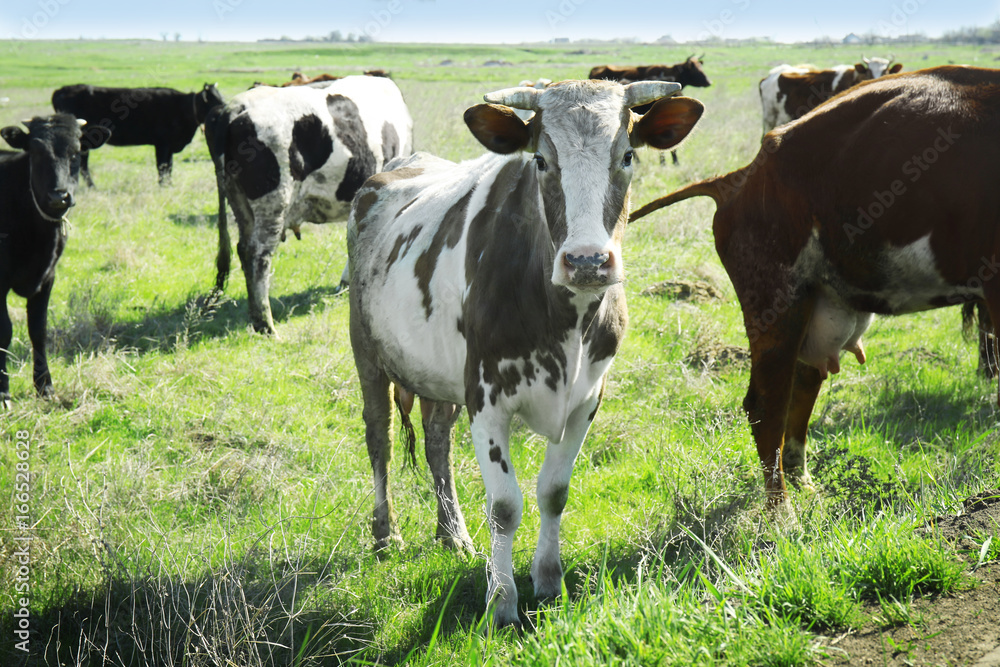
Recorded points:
(201, 494)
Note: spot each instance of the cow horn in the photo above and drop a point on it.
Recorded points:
(866, 60)
(644, 92)
(521, 97)
(81, 122)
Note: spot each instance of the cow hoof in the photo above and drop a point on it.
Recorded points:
(341, 288)
(384, 547)
(462, 545)
(5, 402)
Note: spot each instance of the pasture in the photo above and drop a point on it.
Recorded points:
(201, 495)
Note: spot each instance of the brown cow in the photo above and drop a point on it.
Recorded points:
(882, 200)
(788, 92)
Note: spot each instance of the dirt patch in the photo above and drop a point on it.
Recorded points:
(715, 356)
(959, 629)
(683, 290)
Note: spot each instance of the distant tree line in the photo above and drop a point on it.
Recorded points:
(334, 36)
(988, 35)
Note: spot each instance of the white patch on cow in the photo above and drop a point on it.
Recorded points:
(913, 280)
(429, 352)
(840, 70)
(771, 100)
(585, 160)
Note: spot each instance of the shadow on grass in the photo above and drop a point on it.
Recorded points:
(236, 616)
(95, 326)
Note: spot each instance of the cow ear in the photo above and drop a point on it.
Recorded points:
(895, 68)
(498, 128)
(15, 136)
(860, 68)
(667, 122)
(94, 136)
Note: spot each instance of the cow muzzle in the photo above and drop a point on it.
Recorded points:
(590, 269)
(59, 201)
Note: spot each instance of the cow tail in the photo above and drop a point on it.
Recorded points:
(216, 129)
(408, 434)
(716, 188)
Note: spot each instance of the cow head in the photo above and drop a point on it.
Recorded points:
(691, 73)
(53, 144)
(873, 68)
(581, 139)
(206, 99)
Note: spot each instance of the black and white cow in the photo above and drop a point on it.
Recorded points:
(164, 118)
(36, 191)
(284, 156)
(497, 284)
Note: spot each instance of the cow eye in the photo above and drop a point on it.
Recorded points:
(540, 162)
(627, 158)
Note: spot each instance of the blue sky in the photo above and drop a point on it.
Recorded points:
(508, 21)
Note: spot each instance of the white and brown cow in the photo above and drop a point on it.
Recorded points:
(284, 156)
(883, 200)
(497, 284)
(789, 92)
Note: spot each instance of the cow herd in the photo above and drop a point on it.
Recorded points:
(497, 283)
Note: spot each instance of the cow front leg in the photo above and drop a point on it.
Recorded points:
(807, 383)
(256, 254)
(438, 420)
(552, 492)
(6, 335)
(164, 164)
(504, 505)
(38, 316)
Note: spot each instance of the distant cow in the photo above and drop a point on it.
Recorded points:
(300, 79)
(36, 192)
(882, 200)
(284, 156)
(687, 73)
(788, 92)
(165, 118)
(497, 283)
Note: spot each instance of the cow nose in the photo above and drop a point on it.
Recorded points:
(60, 200)
(590, 268)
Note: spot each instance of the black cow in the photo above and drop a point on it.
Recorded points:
(162, 117)
(36, 191)
(687, 73)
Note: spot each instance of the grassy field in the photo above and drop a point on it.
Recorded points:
(201, 495)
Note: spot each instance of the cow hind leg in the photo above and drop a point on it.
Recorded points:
(376, 391)
(164, 164)
(438, 420)
(991, 302)
(6, 334)
(988, 365)
(805, 389)
(504, 505)
(774, 357)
